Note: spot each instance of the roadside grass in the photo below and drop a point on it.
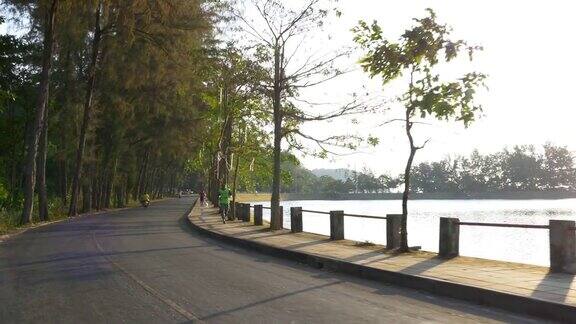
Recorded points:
(364, 244)
(8, 220)
(253, 197)
(10, 217)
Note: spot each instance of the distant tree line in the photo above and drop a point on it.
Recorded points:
(521, 168)
(297, 179)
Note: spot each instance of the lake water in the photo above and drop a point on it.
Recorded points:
(507, 244)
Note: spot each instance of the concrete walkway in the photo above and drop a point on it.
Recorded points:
(533, 283)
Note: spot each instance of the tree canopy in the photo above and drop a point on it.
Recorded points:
(149, 72)
(417, 54)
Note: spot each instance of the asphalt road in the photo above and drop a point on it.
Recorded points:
(146, 266)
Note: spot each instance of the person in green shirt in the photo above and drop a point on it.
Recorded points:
(224, 201)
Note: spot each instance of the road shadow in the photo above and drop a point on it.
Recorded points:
(381, 253)
(301, 245)
(424, 265)
(268, 232)
(267, 300)
(554, 286)
(76, 256)
(141, 234)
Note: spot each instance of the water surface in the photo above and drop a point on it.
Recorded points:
(496, 243)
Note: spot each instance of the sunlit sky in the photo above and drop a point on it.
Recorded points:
(528, 55)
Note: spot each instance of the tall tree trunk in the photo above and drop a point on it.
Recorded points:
(213, 184)
(41, 103)
(175, 185)
(234, 182)
(121, 190)
(142, 175)
(63, 180)
(150, 179)
(406, 193)
(225, 141)
(96, 176)
(87, 111)
(87, 196)
(275, 217)
(156, 185)
(126, 196)
(41, 167)
(65, 116)
(15, 167)
(118, 196)
(102, 184)
(110, 185)
(172, 184)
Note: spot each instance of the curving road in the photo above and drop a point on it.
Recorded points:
(146, 266)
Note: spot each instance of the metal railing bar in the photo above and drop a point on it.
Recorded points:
(503, 225)
(365, 216)
(459, 223)
(315, 211)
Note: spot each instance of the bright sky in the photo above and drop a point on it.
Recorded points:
(528, 55)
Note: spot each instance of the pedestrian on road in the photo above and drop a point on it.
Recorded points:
(203, 198)
(224, 201)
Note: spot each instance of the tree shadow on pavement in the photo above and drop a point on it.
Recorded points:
(554, 286)
(259, 231)
(424, 265)
(73, 256)
(267, 300)
(301, 245)
(381, 253)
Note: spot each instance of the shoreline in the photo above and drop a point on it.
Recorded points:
(244, 197)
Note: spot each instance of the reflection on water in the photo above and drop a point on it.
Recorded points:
(497, 243)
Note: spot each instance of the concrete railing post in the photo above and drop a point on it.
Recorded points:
(336, 225)
(236, 210)
(449, 237)
(393, 228)
(296, 219)
(562, 246)
(245, 212)
(241, 212)
(257, 214)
